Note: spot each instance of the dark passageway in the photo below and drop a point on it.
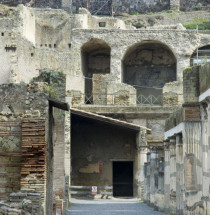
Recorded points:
(122, 179)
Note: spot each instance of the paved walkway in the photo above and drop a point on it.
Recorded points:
(110, 207)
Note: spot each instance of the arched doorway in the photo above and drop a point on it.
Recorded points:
(95, 60)
(148, 66)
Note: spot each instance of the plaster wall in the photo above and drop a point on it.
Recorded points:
(27, 17)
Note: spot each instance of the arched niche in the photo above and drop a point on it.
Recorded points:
(95, 60)
(148, 66)
(200, 55)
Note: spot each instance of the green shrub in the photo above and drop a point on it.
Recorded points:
(197, 7)
(203, 24)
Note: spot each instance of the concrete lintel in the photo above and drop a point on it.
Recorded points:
(204, 96)
(176, 130)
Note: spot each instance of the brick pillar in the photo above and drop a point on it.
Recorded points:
(33, 164)
(174, 4)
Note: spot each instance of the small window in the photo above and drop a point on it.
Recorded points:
(50, 45)
(69, 45)
(102, 24)
(55, 45)
(2, 34)
(32, 54)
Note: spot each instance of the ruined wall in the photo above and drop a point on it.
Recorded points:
(22, 140)
(93, 6)
(191, 84)
(137, 6)
(10, 155)
(104, 7)
(121, 45)
(51, 28)
(120, 6)
(192, 4)
(17, 45)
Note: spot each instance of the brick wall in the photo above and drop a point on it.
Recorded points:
(33, 160)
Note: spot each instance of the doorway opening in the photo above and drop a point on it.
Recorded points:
(123, 178)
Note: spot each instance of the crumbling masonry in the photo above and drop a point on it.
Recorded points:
(115, 78)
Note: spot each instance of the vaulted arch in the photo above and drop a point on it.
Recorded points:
(148, 66)
(95, 60)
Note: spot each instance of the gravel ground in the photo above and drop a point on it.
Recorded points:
(110, 207)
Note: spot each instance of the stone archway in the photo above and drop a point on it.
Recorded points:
(148, 66)
(95, 60)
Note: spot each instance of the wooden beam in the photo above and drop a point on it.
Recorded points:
(58, 104)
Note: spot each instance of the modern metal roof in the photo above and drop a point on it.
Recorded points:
(107, 120)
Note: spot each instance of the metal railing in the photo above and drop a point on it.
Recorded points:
(149, 99)
(123, 99)
(200, 60)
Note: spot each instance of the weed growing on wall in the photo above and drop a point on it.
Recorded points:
(55, 80)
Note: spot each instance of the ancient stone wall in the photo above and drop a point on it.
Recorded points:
(191, 84)
(22, 202)
(193, 4)
(17, 44)
(119, 6)
(108, 7)
(10, 155)
(22, 140)
(137, 6)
